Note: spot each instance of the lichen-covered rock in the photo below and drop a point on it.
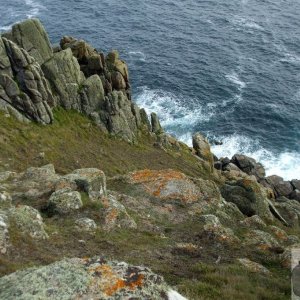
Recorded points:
(279, 233)
(91, 180)
(28, 221)
(296, 184)
(167, 185)
(114, 214)
(261, 240)
(32, 37)
(254, 222)
(65, 201)
(253, 266)
(38, 174)
(86, 224)
(212, 227)
(93, 278)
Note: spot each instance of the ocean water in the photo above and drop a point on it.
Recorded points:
(230, 69)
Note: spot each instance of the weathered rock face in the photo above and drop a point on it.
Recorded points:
(32, 37)
(23, 85)
(65, 77)
(93, 278)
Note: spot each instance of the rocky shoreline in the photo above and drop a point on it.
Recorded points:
(227, 210)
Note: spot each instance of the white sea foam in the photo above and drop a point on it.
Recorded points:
(171, 108)
(234, 78)
(246, 23)
(5, 28)
(286, 164)
(176, 117)
(138, 55)
(34, 8)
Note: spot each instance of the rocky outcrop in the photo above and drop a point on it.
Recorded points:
(33, 79)
(31, 36)
(89, 278)
(23, 86)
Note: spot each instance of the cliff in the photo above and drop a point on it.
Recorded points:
(88, 180)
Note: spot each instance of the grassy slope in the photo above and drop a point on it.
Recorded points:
(74, 142)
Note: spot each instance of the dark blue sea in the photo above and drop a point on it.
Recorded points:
(228, 68)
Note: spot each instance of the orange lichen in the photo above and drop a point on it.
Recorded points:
(120, 284)
(155, 182)
(153, 175)
(112, 215)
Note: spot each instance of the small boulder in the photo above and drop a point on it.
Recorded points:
(262, 240)
(254, 222)
(37, 174)
(86, 224)
(167, 185)
(65, 201)
(212, 227)
(29, 221)
(114, 214)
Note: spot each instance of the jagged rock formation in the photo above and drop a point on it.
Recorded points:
(34, 79)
